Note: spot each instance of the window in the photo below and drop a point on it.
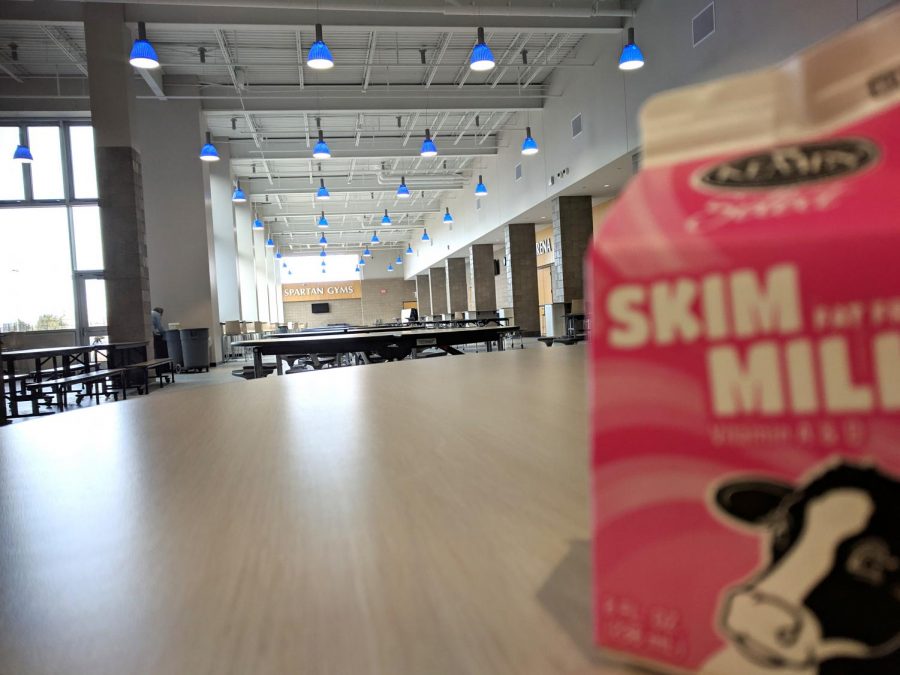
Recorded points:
(35, 270)
(338, 267)
(51, 253)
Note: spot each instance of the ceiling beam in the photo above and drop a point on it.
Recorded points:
(287, 149)
(64, 43)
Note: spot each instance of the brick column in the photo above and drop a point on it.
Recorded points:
(573, 225)
(521, 271)
(119, 186)
(457, 297)
(481, 270)
(423, 295)
(438, 284)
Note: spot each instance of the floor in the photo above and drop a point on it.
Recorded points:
(222, 374)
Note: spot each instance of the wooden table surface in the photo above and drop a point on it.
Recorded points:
(416, 518)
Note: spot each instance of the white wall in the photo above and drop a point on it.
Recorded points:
(224, 236)
(179, 238)
(748, 35)
(243, 224)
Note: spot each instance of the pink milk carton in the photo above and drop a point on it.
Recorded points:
(746, 374)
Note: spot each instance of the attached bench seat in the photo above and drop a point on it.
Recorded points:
(12, 381)
(50, 373)
(163, 368)
(61, 386)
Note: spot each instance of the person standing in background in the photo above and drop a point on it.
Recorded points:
(160, 349)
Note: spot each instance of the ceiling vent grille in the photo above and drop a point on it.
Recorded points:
(576, 125)
(704, 24)
(518, 172)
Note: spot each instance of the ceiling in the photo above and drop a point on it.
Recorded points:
(403, 70)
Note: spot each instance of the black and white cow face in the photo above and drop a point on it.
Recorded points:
(831, 590)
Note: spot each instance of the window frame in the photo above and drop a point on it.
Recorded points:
(68, 201)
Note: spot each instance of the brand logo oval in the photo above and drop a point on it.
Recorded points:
(793, 164)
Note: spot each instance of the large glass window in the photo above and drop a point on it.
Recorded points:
(50, 231)
(35, 270)
(12, 187)
(46, 169)
(84, 171)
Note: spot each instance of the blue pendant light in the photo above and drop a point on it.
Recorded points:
(409, 250)
(284, 265)
(529, 146)
(270, 243)
(375, 239)
(278, 255)
(481, 189)
(448, 219)
(258, 225)
(23, 154)
(323, 193)
(323, 263)
(290, 272)
(319, 57)
(390, 268)
(208, 152)
(362, 261)
(482, 58)
(429, 149)
(398, 261)
(143, 55)
(323, 221)
(367, 252)
(387, 219)
(238, 197)
(357, 268)
(425, 236)
(323, 254)
(322, 240)
(403, 191)
(632, 57)
(321, 149)
(323, 270)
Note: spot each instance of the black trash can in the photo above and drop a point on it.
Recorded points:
(173, 342)
(195, 348)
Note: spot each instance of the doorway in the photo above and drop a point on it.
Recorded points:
(545, 292)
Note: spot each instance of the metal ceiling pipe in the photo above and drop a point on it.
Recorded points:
(587, 12)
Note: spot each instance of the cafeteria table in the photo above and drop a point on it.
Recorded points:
(400, 341)
(56, 357)
(336, 523)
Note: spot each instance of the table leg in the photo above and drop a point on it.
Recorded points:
(278, 366)
(13, 402)
(257, 363)
(500, 346)
(489, 345)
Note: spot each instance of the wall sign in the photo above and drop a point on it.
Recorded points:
(313, 292)
(543, 246)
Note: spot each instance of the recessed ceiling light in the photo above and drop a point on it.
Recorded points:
(607, 185)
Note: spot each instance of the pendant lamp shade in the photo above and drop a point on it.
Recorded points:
(403, 191)
(143, 55)
(367, 252)
(429, 149)
(23, 154)
(448, 219)
(375, 239)
(321, 149)
(238, 196)
(481, 188)
(425, 236)
(632, 57)
(529, 146)
(409, 250)
(386, 220)
(399, 260)
(319, 57)
(208, 152)
(323, 221)
(258, 224)
(482, 58)
(270, 243)
(323, 193)
(323, 241)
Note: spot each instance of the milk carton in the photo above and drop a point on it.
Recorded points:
(746, 374)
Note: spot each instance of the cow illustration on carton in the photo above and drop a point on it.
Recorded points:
(827, 601)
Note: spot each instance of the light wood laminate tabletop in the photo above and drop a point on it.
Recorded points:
(417, 518)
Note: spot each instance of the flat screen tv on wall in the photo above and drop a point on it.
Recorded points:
(320, 308)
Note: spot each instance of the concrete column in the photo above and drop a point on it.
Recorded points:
(243, 230)
(423, 295)
(180, 232)
(521, 272)
(119, 184)
(224, 235)
(481, 270)
(457, 299)
(438, 284)
(573, 225)
(259, 262)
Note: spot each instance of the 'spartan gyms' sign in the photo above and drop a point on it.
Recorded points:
(336, 290)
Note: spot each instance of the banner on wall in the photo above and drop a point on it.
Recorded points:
(313, 292)
(543, 246)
